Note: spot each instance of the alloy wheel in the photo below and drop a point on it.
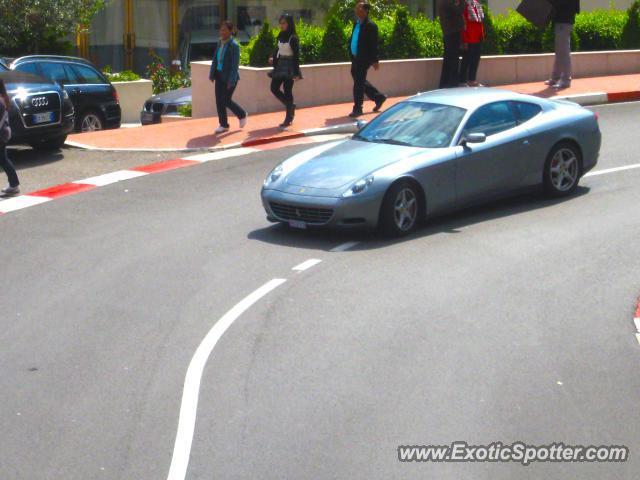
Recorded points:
(405, 209)
(564, 169)
(91, 122)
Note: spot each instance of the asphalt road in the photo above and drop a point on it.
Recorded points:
(509, 322)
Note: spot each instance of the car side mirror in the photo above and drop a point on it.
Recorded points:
(473, 138)
(360, 124)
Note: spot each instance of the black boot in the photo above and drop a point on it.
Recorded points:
(288, 119)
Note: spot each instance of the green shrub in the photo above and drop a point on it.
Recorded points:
(385, 32)
(600, 29)
(125, 76)
(491, 44)
(428, 35)
(630, 38)
(310, 41)
(263, 47)
(163, 79)
(517, 35)
(185, 110)
(343, 9)
(404, 39)
(334, 42)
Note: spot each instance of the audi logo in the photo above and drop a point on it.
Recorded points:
(39, 101)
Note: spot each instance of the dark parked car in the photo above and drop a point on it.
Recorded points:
(166, 103)
(94, 98)
(42, 114)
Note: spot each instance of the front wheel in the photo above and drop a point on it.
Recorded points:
(400, 210)
(90, 122)
(50, 145)
(562, 170)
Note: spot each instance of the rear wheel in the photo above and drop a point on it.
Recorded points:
(400, 209)
(90, 121)
(50, 145)
(562, 170)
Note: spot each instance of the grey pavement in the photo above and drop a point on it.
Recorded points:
(511, 321)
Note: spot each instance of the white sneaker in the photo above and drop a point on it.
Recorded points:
(243, 121)
(9, 191)
(222, 129)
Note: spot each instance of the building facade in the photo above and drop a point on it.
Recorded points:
(127, 31)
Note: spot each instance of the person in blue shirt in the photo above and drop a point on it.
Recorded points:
(224, 74)
(363, 49)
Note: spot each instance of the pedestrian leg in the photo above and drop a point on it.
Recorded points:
(359, 74)
(221, 103)
(233, 106)
(8, 167)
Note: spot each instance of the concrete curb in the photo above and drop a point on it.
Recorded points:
(334, 129)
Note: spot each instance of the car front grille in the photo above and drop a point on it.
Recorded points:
(40, 103)
(157, 107)
(147, 106)
(40, 109)
(304, 214)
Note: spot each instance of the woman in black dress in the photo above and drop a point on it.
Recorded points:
(286, 67)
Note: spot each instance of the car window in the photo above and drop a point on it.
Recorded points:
(526, 111)
(28, 68)
(88, 74)
(416, 124)
(54, 71)
(72, 76)
(491, 119)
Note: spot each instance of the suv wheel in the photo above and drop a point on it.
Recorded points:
(90, 122)
(49, 145)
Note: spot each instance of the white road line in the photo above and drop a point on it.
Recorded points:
(109, 178)
(189, 405)
(306, 265)
(344, 247)
(636, 321)
(23, 201)
(234, 152)
(612, 170)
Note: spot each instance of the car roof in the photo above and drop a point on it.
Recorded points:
(55, 58)
(470, 98)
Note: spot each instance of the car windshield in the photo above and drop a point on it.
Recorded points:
(415, 124)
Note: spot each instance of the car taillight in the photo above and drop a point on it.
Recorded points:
(597, 116)
(115, 96)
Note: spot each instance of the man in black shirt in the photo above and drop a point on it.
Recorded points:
(363, 49)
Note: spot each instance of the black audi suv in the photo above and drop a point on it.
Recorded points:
(94, 98)
(41, 113)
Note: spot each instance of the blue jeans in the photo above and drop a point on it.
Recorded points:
(8, 167)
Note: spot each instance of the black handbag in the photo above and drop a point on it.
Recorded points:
(538, 12)
(283, 70)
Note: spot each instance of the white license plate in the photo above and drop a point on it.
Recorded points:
(43, 117)
(297, 224)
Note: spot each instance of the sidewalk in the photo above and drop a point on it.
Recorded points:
(262, 128)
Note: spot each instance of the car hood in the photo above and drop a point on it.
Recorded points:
(15, 80)
(346, 163)
(181, 95)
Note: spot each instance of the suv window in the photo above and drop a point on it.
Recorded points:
(30, 67)
(72, 76)
(526, 111)
(53, 71)
(491, 119)
(88, 74)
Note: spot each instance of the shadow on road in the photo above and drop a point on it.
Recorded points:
(26, 158)
(318, 239)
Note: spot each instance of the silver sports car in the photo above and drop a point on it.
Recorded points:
(432, 153)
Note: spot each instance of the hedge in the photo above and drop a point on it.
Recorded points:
(405, 36)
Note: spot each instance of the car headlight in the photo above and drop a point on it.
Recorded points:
(359, 187)
(275, 174)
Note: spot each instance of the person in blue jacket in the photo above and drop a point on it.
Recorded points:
(224, 74)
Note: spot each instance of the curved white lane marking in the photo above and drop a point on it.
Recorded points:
(344, 247)
(189, 405)
(306, 265)
(612, 170)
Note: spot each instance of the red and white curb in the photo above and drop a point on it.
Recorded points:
(636, 320)
(599, 98)
(51, 193)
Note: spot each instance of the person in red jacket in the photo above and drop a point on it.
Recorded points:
(472, 38)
